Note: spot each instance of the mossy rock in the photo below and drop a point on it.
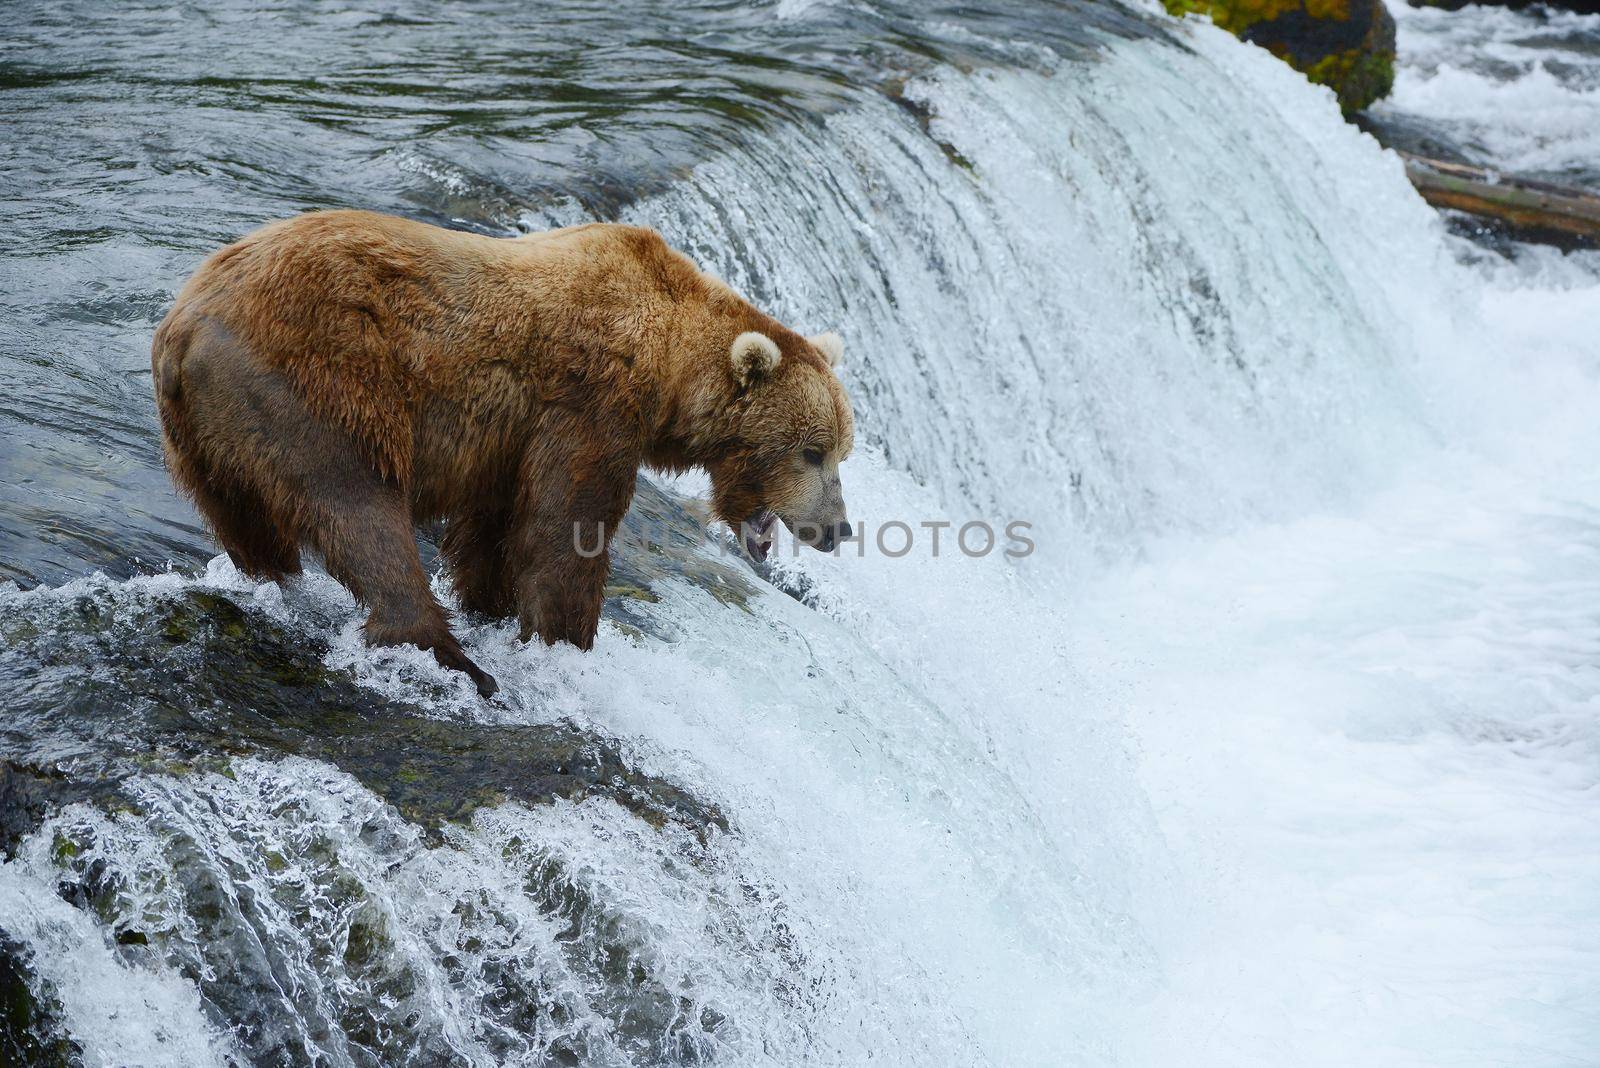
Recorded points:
(32, 1032)
(114, 689)
(114, 683)
(1347, 45)
(662, 538)
(187, 682)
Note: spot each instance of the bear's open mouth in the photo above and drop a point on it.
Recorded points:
(756, 530)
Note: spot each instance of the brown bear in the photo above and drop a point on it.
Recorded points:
(331, 380)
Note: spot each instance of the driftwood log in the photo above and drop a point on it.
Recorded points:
(1530, 210)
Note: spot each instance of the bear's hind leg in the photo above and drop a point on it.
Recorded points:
(257, 544)
(244, 417)
(475, 545)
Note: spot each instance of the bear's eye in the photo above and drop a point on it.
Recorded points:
(813, 457)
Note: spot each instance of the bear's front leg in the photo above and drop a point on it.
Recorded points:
(560, 596)
(573, 499)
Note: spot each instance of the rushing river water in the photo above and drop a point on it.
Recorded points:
(1281, 748)
(1512, 89)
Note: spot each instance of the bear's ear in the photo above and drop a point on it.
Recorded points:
(753, 355)
(831, 346)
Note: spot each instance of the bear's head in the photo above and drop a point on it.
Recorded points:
(790, 425)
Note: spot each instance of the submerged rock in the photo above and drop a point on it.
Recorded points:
(176, 764)
(168, 685)
(1347, 45)
(120, 682)
(31, 1030)
(662, 539)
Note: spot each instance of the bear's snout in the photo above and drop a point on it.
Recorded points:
(823, 537)
(832, 535)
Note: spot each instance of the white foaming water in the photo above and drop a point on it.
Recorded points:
(1521, 88)
(129, 1015)
(1281, 749)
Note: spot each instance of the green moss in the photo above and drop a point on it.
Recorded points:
(1347, 45)
(635, 592)
(63, 849)
(629, 631)
(1359, 78)
(1236, 16)
(13, 631)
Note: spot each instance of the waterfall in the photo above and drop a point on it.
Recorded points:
(1158, 303)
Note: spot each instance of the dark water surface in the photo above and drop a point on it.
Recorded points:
(141, 136)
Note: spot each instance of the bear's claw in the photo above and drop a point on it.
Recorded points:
(487, 686)
(456, 660)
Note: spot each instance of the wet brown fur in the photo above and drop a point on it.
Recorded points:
(333, 379)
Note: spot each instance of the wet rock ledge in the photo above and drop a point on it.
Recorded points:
(134, 681)
(115, 684)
